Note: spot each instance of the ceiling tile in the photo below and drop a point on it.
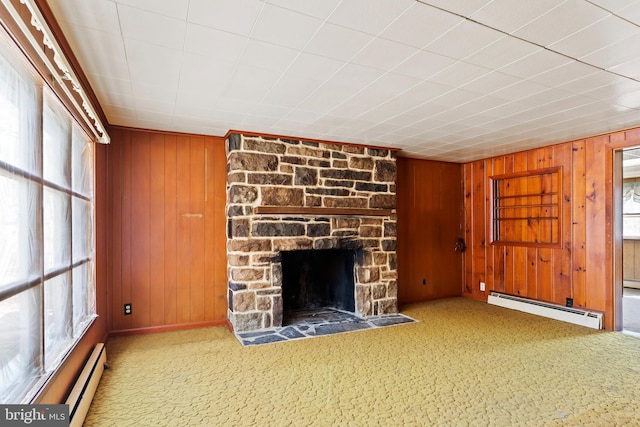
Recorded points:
(490, 82)
(615, 54)
(519, 90)
(237, 16)
(203, 76)
(289, 91)
(224, 47)
(459, 74)
(423, 64)
(101, 15)
(613, 5)
(177, 9)
(109, 61)
(463, 40)
(629, 99)
(509, 15)
(337, 42)
(590, 82)
(630, 68)
(368, 16)
(250, 83)
(104, 84)
(383, 54)
(564, 73)
(569, 17)
(410, 27)
(316, 8)
(504, 51)
(601, 34)
(428, 90)
(310, 65)
(403, 74)
(116, 110)
(461, 7)
(152, 28)
(153, 64)
(266, 55)
(631, 12)
(284, 27)
(539, 61)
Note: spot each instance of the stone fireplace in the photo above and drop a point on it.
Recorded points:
(288, 195)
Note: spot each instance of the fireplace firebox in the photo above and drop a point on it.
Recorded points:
(317, 279)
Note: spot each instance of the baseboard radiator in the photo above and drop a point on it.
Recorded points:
(85, 387)
(574, 315)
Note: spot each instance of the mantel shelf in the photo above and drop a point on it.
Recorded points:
(317, 211)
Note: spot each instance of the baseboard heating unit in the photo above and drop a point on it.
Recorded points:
(574, 315)
(85, 387)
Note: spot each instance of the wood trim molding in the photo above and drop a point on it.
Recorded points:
(318, 211)
(169, 328)
(322, 141)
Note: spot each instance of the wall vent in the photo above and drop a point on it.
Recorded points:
(573, 315)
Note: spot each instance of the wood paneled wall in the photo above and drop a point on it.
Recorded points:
(583, 267)
(167, 223)
(429, 223)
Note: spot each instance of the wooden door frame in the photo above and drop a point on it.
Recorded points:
(616, 144)
(614, 205)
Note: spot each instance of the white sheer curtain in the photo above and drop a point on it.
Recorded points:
(20, 314)
(47, 255)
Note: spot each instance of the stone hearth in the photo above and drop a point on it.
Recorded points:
(332, 181)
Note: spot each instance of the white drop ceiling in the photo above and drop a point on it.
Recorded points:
(451, 80)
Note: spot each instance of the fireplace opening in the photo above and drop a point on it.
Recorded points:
(316, 283)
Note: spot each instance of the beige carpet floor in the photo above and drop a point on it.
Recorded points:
(465, 363)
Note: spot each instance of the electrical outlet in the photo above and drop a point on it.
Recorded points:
(127, 309)
(569, 302)
(482, 286)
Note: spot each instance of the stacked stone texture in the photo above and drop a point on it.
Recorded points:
(265, 171)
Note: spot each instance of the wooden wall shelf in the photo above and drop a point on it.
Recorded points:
(318, 211)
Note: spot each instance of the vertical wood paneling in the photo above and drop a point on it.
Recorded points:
(429, 212)
(468, 236)
(183, 230)
(156, 229)
(595, 214)
(579, 224)
(140, 222)
(498, 251)
(509, 270)
(544, 266)
(489, 249)
(478, 239)
(215, 235)
(168, 248)
(170, 230)
(583, 268)
(561, 258)
(126, 217)
(196, 228)
(115, 249)
(217, 168)
(533, 229)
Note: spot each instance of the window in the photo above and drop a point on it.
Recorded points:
(47, 276)
(526, 208)
(631, 207)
